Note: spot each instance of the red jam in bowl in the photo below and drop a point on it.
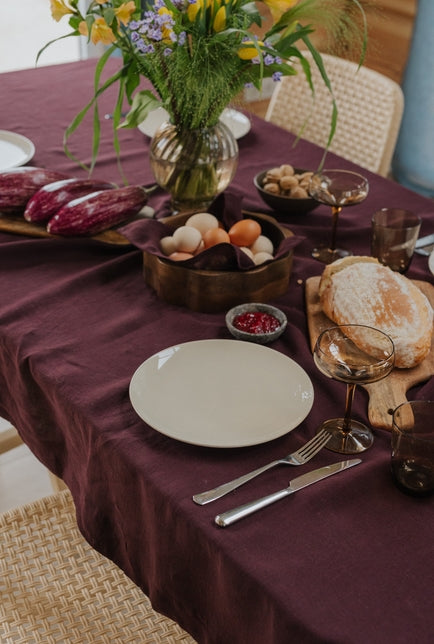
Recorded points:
(256, 322)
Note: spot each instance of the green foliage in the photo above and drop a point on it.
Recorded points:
(198, 57)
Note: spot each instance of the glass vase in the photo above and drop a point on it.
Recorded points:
(193, 166)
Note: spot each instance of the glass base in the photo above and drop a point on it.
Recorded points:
(328, 255)
(357, 440)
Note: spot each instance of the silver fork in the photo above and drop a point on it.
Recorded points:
(301, 456)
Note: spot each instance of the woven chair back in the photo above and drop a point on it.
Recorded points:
(370, 108)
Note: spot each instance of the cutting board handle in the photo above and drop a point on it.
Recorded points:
(383, 399)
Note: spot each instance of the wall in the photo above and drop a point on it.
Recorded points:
(390, 29)
(390, 26)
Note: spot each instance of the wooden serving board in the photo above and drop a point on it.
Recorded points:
(384, 395)
(17, 225)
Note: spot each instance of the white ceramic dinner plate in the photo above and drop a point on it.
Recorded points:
(236, 121)
(431, 262)
(221, 393)
(15, 150)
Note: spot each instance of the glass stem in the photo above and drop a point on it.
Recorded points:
(346, 426)
(335, 215)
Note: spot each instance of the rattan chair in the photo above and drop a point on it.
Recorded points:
(55, 589)
(9, 439)
(370, 108)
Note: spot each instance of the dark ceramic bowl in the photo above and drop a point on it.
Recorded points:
(281, 203)
(253, 307)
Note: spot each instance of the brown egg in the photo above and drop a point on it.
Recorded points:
(215, 236)
(244, 232)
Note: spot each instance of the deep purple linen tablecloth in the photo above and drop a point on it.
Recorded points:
(347, 561)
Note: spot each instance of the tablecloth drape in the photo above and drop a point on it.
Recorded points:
(348, 561)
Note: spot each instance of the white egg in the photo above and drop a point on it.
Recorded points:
(202, 221)
(262, 244)
(247, 251)
(187, 239)
(167, 245)
(261, 257)
(200, 248)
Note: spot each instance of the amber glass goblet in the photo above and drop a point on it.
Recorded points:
(352, 354)
(338, 189)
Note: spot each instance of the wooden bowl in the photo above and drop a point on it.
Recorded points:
(213, 291)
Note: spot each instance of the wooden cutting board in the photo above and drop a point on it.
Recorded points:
(19, 226)
(384, 395)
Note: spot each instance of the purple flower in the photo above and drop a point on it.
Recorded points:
(277, 76)
(268, 59)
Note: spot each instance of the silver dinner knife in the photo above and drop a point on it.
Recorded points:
(425, 241)
(229, 517)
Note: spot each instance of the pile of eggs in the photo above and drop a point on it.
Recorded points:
(203, 230)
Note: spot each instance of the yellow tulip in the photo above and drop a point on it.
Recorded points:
(82, 28)
(100, 31)
(193, 10)
(278, 7)
(125, 11)
(220, 20)
(248, 52)
(59, 8)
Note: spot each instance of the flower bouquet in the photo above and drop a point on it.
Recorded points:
(197, 56)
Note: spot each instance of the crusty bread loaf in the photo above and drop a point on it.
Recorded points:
(360, 290)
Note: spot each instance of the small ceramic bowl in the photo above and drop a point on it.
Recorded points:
(253, 336)
(282, 203)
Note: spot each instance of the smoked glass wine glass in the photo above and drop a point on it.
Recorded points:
(338, 355)
(338, 189)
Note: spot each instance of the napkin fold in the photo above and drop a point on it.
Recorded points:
(146, 234)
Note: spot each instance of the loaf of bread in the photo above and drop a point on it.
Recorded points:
(360, 290)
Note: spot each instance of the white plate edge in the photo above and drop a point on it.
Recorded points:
(279, 432)
(28, 147)
(242, 122)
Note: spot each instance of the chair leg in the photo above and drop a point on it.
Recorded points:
(9, 439)
(56, 483)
